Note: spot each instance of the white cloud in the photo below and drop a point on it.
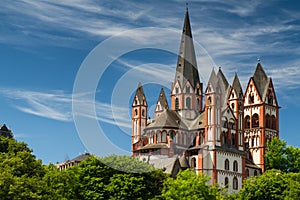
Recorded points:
(57, 105)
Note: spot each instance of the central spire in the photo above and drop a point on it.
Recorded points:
(186, 65)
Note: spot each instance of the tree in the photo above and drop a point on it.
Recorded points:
(275, 157)
(278, 156)
(126, 186)
(102, 181)
(189, 185)
(293, 159)
(273, 184)
(20, 173)
(127, 164)
(270, 185)
(61, 184)
(94, 176)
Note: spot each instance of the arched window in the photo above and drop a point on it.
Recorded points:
(188, 90)
(176, 138)
(224, 138)
(209, 100)
(235, 183)
(232, 139)
(252, 141)
(268, 121)
(198, 104)
(158, 137)
(193, 163)
(270, 97)
(247, 172)
(226, 182)
(164, 136)
(273, 122)
(225, 123)
(176, 90)
(176, 104)
(226, 164)
(255, 173)
(250, 98)
(143, 113)
(172, 136)
(247, 121)
(188, 102)
(136, 112)
(255, 120)
(235, 166)
(232, 106)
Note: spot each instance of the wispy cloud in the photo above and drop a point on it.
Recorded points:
(57, 105)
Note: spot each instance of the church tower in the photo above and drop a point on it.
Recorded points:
(236, 103)
(162, 103)
(186, 91)
(139, 114)
(261, 113)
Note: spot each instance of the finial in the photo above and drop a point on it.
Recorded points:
(258, 59)
(187, 5)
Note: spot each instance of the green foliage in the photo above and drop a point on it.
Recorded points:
(100, 181)
(126, 186)
(126, 164)
(20, 173)
(61, 184)
(189, 185)
(270, 185)
(293, 159)
(275, 157)
(22, 176)
(94, 177)
(278, 156)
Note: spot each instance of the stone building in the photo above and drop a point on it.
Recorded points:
(219, 130)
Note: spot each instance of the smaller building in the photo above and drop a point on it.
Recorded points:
(5, 132)
(73, 162)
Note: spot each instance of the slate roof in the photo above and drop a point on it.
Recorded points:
(81, 157)
(168, 119)
(183, 162)
(213, 79)
(140, 93)
(197, 123)
(222, 79)
(162, 99)
(260, 80)
(164, 163)
(251, 164)
(236, 85)
(186, 64)
(154, 146)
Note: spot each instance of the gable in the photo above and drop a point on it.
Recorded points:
(251, 95)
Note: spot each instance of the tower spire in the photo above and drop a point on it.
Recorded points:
(186, 65)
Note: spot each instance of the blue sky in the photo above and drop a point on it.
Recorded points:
(43, 46)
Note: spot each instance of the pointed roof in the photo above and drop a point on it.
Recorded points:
(186, 64)
(168, 119)
(140, 92)
(236, 85)
(260, 79)
(213, 79)
(222, 78)
(162, 100)
(183, 162)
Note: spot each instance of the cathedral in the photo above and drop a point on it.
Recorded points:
(220, 130)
